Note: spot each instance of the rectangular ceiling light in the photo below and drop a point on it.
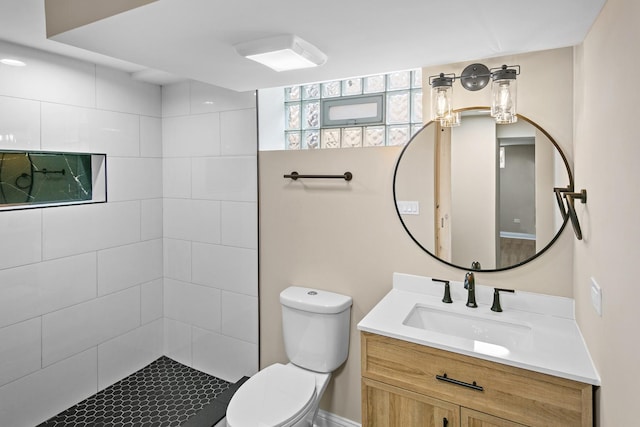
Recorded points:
(282, 53)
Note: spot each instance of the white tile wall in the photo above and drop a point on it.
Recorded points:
(32, 399)
(237, 132)
(190, 219)
(20, 124)
(193, 97)
(40, 288)
(20, 350)
(210, 228)
(151, 219)
(176, 99)
(21, 237)
(212, 99)
(53, 323)
(177, 341)
(177, 259)
(69, 128)
(77, 328)
(116, 91)
(240, 316)
(77, 229)
(222, 356)
(150, 136)
(131, 178)
(225, 178)
(151, 301)
(125, 266)
(193, 304)
(239, 224)
(47, 77)
(125, 354)
(186, 136)
(176, 177)
(225, 267)
(90, 293)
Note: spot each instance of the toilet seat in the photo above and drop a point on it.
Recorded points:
(279, 395)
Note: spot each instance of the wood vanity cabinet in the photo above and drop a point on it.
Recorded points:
(406, 384)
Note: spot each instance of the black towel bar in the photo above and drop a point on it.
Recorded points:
(347, 176)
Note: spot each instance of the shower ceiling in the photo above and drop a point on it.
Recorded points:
(194, 39)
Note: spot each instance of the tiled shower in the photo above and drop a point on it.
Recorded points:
(91, 293)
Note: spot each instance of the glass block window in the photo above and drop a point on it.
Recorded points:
(307, 125)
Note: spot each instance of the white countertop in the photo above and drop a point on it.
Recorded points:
(553, 343)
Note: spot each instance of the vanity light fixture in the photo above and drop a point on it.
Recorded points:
(282, 53)
(441, 96)
(475, 77)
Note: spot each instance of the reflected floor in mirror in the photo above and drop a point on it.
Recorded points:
(515, 251)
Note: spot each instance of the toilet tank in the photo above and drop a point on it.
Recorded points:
(315, 325)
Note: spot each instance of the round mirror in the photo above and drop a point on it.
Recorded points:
(481, 195)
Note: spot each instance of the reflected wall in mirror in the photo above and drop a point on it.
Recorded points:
(39, 179)
(485, 191)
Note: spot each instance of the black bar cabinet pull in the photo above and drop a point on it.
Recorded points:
(347, 176)
(473, 385)
(445, 422)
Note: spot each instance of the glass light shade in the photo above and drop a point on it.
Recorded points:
(504, 100)
(452, 120)
(441, 102)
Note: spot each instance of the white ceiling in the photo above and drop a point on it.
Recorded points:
(193, 39)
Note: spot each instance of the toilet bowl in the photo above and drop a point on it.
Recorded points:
(316, 336)
(278, 396)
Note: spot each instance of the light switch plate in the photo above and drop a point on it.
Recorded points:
(408, 207)
(596, 296)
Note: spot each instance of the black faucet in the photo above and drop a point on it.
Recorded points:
(470, 285)
(447, 290)
(496, 299)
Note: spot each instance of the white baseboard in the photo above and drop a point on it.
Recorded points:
(327, 419)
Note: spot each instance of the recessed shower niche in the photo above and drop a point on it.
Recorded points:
(34, 179)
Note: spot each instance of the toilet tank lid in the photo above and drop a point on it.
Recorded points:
(314, 300)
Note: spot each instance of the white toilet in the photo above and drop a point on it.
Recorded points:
(315, 325)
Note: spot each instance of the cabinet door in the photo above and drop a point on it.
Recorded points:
(471, 418)
(388, 406)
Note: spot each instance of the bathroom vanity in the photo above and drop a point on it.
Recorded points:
(429, 363)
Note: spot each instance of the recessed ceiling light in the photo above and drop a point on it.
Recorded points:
(282, 53)
(12, 62)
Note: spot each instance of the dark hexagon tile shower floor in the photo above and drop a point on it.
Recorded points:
(162, 394)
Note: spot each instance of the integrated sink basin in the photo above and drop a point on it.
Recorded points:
(496, 332)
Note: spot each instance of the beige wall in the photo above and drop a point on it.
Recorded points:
(415, 182)
(346, 237)
(607, 150)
